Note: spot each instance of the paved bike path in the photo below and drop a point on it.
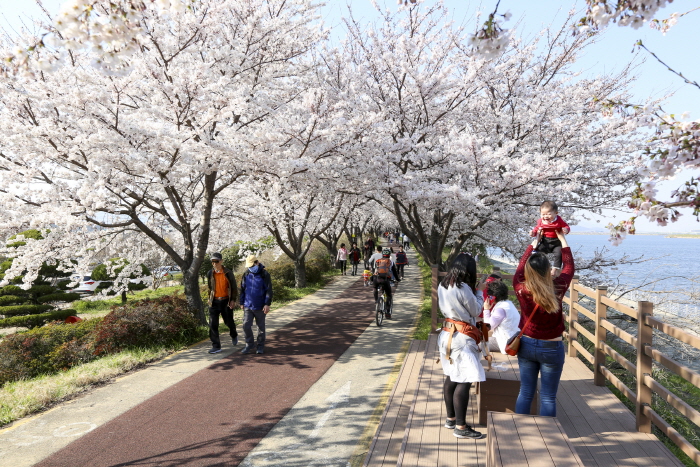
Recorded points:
(216, 416)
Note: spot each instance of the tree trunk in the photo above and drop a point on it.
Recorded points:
(123, 296)
(300, 273)
(194, 298)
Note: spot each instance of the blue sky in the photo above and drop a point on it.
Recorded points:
(612, 52)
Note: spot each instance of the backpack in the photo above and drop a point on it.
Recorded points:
(383, 267)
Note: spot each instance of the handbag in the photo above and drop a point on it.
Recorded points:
(513, 344)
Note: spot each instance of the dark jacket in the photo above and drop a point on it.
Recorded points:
(354, 255)
(256, 289)
(232, 289)
(401, 258)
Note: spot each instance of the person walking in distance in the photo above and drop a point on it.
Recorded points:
(342, 258)
(541, 349)
(354, 256)
(223, 294)
(401, 261)
(406, 242)
(256, 298)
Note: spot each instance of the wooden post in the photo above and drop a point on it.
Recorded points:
(434, 299)
(573, 317)
(644, 363)
(601, 313)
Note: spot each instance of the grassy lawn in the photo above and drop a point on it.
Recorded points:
(103, 306)
(21, 398)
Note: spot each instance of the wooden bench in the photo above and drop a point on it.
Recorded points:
(528, 440)
(500, 390)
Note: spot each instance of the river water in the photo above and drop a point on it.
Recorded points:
(670, 275)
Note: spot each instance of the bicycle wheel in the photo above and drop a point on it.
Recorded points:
(380, 311)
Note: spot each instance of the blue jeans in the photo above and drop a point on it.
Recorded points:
(546, 358)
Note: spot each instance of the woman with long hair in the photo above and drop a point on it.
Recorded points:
(541, 347)
(460, 300)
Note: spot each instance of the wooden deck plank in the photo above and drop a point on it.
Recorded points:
(536, 452)
(430, 443)
(614, 422)
(410, 446)
(599, 427)
(506, 443)
(646, 450)
(472, 452)
(583, 428)
(560, 449)
(394, 447)
(393, 421)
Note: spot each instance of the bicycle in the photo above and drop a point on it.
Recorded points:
(382, 308)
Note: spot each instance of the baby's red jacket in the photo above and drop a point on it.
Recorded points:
(550, 230)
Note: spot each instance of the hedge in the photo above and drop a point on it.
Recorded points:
(59, 297)
(16, 310)
(46, 350)
(12, 290)
(10, 300)
(32, 321)
(162, 321)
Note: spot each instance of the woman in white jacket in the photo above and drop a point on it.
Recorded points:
(460, 303)
(501, 315)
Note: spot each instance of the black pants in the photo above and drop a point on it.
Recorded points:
(220, 307)
(342, 264)
(405, 245)
(385, 284)
(354, 268)
(399, 268)
(553, 246)
(456, 400)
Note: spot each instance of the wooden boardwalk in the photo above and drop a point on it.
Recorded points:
(601, 429)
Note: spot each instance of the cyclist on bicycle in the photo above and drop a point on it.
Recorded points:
(384, 268)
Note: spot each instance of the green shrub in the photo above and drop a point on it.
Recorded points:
(39, 289)
(59, 297)
(15, 310)
(165, 321)
(282, 273)
(45, 350)
(32, 321)
(12, 290)
(10, 300)
(280, 292)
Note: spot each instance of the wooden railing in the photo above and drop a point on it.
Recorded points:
(646, 354)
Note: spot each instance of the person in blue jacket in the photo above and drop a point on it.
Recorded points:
(255, 299)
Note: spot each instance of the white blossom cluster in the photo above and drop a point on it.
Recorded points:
(491, 40)
(633, 13)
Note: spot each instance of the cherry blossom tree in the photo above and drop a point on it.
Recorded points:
(151, 147)
(467, 144)
(675, 145)
(293, 191)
